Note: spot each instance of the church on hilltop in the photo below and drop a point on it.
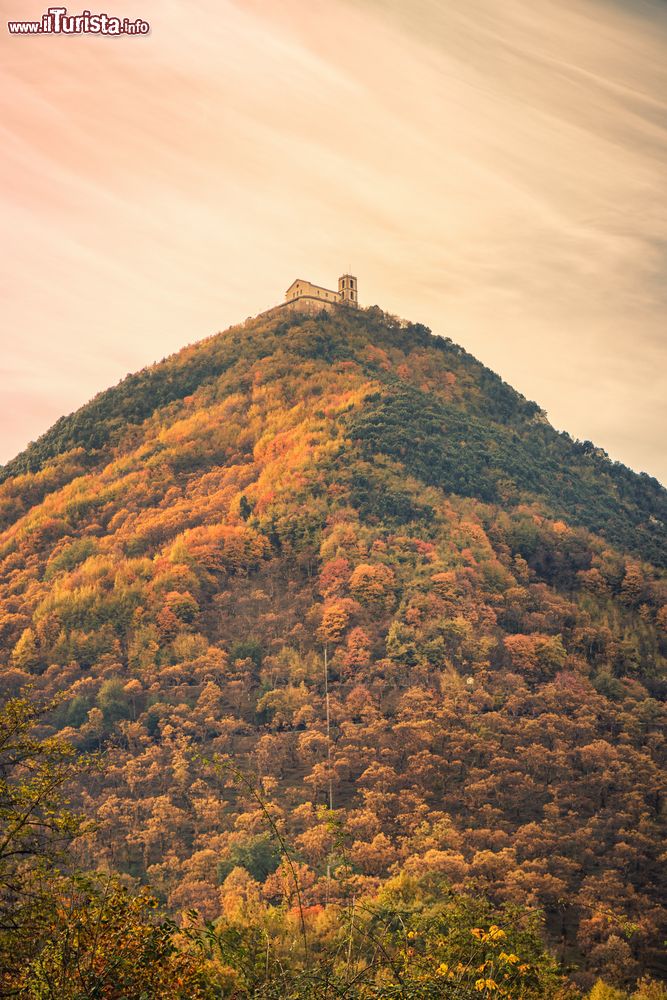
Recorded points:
(304, 296)
(346, 294)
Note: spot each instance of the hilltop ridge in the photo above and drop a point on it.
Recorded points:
(508, 438)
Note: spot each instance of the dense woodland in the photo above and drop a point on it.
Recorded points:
(323, 632)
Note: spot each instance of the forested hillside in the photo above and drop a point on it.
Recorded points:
(428, 630)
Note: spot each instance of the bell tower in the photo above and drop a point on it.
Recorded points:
(347, 290)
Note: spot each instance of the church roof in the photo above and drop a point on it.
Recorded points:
(304, 281)
(297, 281)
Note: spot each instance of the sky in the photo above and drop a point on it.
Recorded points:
(495, 169)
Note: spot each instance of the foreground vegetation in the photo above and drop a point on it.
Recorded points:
(65, 935)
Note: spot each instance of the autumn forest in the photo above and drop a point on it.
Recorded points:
(329, 669)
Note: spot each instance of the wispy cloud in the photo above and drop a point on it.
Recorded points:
(496, 170)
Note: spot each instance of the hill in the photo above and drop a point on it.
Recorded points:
(188, 554)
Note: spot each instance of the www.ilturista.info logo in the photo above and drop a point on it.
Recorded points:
(57, 21)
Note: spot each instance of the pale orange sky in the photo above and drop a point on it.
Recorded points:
(495, 169)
